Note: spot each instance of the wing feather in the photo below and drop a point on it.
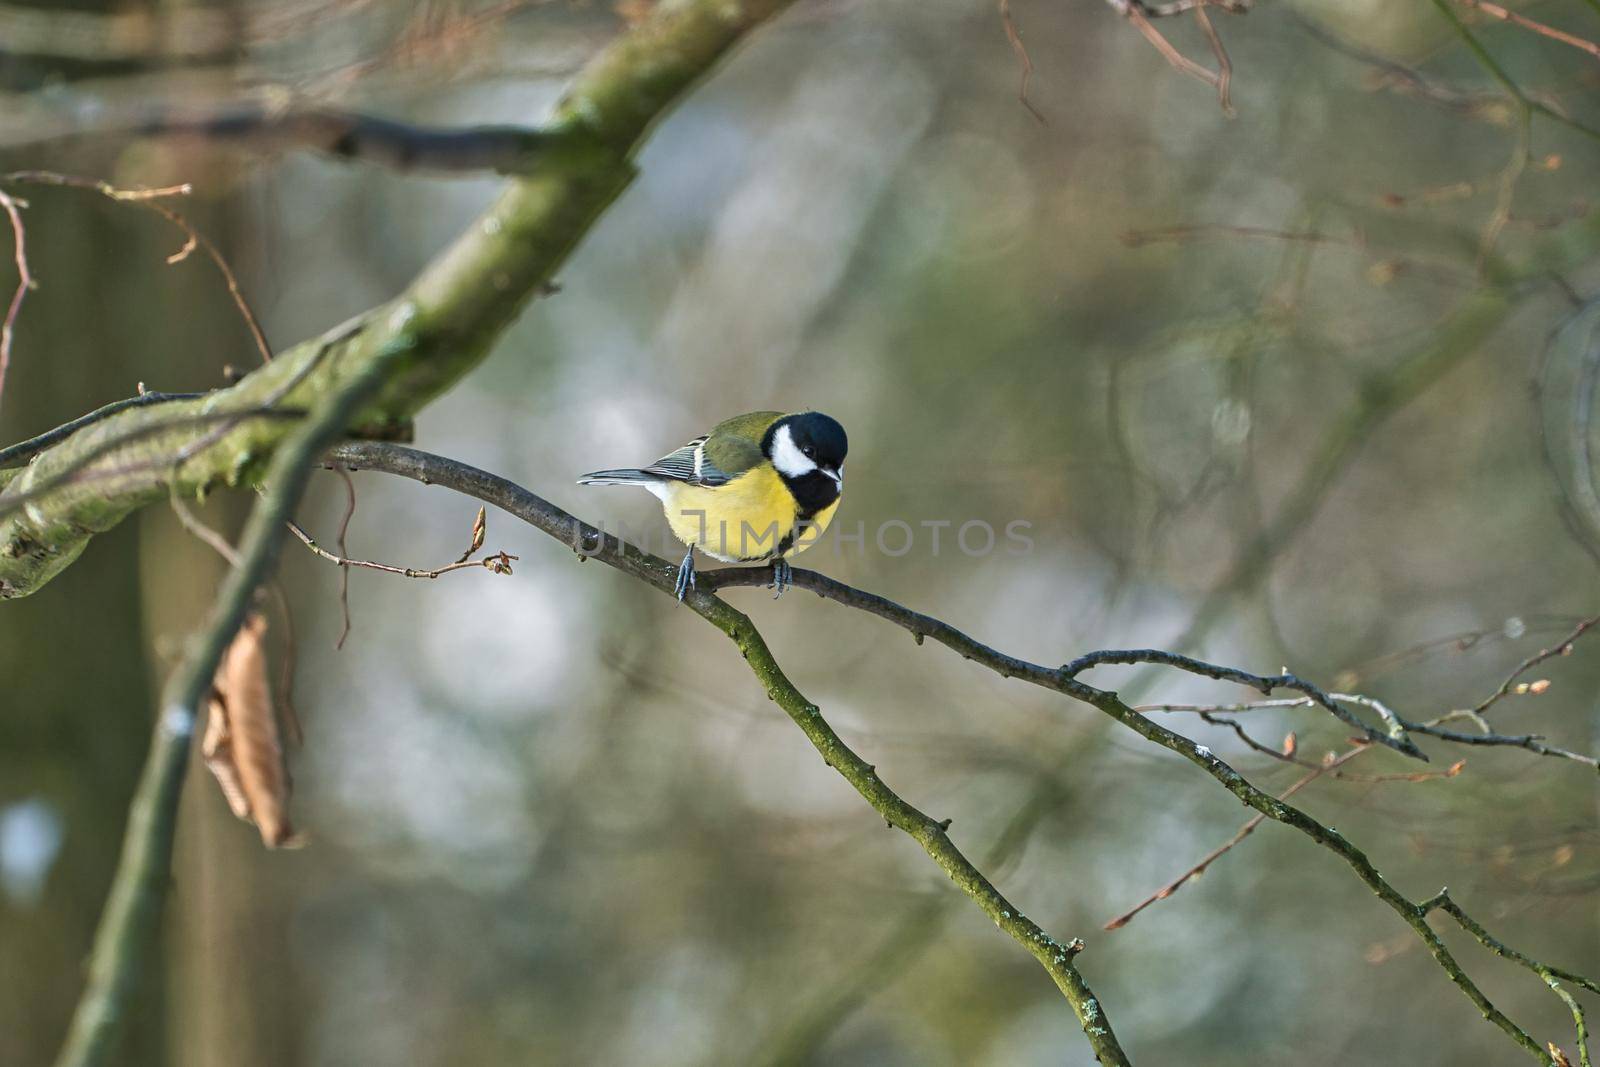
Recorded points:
(690, 465)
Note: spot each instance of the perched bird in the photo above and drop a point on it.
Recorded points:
(758, 488)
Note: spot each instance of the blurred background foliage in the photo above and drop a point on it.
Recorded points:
(1244, 378)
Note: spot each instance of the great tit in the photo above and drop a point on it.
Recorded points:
(757, 488)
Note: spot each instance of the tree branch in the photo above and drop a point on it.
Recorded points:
(352, 136)
(451, 313)
(1395, 736)
(1552, 976)
(25, 282)
(1056, 957)
(590, 542)
(499, 563)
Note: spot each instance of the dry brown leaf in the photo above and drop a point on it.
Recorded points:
(1557, 1056)
(217, 748)
(1290, 743)
(243, 745)
(1563, 856)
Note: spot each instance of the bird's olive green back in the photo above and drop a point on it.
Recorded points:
(734, 446)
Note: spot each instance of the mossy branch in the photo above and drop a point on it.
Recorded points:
(450, 315)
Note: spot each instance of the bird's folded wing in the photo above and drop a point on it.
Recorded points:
(689, 464)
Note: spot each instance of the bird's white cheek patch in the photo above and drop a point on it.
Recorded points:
(787, 457)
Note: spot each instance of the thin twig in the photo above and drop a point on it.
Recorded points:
(1266, 750)
(224, 423)
(1510, 686)
(1430, 728)
(1224, 64)
(1552, 976)
(1497, 12)
(344, 550)
(150, 199)
(1139, 238)
(199, 529)
(1456, 642)
(25, 283)
(1394, 736)
(1169, 52)
(499, 563)
(1022, 57)
(1560, 648)
(1221, 850)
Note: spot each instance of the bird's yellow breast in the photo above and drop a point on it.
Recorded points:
(743, 521)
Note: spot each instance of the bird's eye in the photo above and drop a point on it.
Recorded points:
(810, 453)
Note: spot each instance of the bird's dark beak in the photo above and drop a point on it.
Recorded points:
(836, 475)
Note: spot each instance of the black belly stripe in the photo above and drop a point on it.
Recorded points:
(812, 493)
(783, 546)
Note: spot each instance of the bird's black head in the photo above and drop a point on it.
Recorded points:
(808, 449)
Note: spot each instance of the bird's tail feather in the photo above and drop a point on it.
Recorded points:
(625, 476)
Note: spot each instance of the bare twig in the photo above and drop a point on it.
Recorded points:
(1560, 648)
(1022, 58)
(499, 563)
(1497, 12)
(1221, 850)
(223, 423)
(1394, 735)
(1532, 742)
(1431, 728)
(1179, 62)
(25, 283)
(1224, 64)
(200, 530)
(1396, 75)
(1463, 641)
(150, 199)
(1139, 238)
(344, 550)
(1140, 15)
(1552, 976)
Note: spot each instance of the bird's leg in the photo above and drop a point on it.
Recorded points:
(782, 576)
(685, 575)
